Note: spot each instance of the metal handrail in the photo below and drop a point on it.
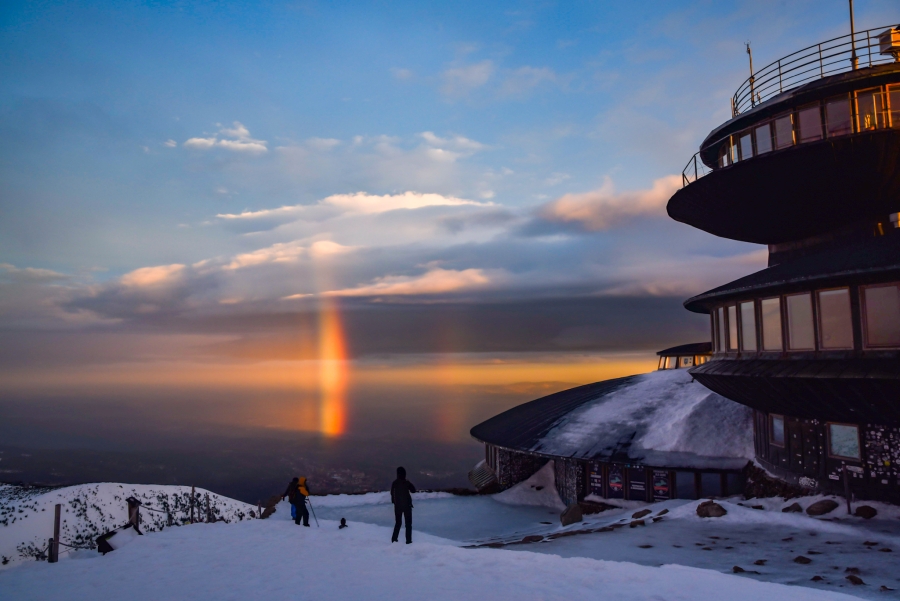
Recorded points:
(815, 62)
(694, 170)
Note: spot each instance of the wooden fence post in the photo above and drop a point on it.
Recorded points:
(53, 557)
(207, 509)
(192, 504)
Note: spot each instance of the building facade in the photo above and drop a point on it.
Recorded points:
(810, 166)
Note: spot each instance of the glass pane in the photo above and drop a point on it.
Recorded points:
(836, 327)
(784, 132)
(809, 121)
(723, 155)
(770, 309)
(800, 322)
(746, 144)
(721, 330)
(843, 441)
(669, 363)
(870, 108)
(662, 363)
(763, 139)
(837, 116)
(894, 102)
(778, 430)
(732, 328)
(882, 307)
(748, 327)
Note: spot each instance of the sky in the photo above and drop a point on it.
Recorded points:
(259, 194)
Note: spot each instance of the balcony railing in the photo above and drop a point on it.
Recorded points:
(838, 55)
(694, 170)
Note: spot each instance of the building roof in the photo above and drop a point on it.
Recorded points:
(694, 348)
(870, 259)
(661, 419)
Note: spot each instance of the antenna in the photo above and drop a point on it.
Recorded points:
(752, 79)
(854, 60)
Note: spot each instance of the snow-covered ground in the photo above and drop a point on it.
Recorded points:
(680, 556)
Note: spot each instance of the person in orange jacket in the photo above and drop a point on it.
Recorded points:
(296, 492)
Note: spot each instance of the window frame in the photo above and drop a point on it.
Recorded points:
(737, 332)
(828, 441)
(834, 100)
(799, 129)
(818, 318)
(864, 317)
(742, 333)
(762, 336)
(880, 121)
(790, 117)
(783, 442)
(721, 346)
(755, 129)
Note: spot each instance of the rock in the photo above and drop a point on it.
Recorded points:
(657, 519)
(870, 543)
(662, 512)
(645, 546)
(866, 512)
(884, 589)
(852, 570)
(757, 507)
(533, 538)
(802, 560)
(571, 515)
(710, 509)
(760, 562)
(822, 507)
(636, 523)
(639, 514)
(787, 540)
(272, 501)
(811, 552)
(816, 578)
(886, 550)
(267, 512)
(795, 508)
(738, 569)
(853, 578)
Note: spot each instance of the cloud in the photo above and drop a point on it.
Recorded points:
(170, 143)
(236, 138)
(369, 203)
(524, 79)
(604, 208)
(458, 143)
(31, 274)
(160, 275)
(401, 74)
(434, 281)
(459, 81)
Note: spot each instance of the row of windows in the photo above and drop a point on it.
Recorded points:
(875, 108)
(809, 321)
(682, 361)
(843, 439)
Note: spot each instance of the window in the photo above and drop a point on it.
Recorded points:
(809, 121)
(720, 328)
(700, 359)
(670, 362)
(662, 363)
(881, 310)
(843, 441)
(748, 326)
(732, 328)
(835, 322)
(784, 132)
(745, 142)
(685, 362)
(870, 109)
(763, 135)
(770, 310)
(893, 93)
(777, 430)
(723, 155)
(800, 322)
(837, 116)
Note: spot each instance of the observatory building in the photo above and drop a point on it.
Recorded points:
(809, 164)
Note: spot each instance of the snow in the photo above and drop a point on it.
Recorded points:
(539, 490)
(89, 510)
(662, 418)
(274, 559)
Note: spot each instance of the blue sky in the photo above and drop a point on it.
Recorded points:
(184, 159)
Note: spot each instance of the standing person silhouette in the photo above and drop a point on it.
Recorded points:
(401, 497)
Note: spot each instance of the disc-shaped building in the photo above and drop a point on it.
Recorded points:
(809, 165)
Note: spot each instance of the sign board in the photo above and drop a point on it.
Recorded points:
(637, 484)
(616, 482)
(661, 485)
(596, 479)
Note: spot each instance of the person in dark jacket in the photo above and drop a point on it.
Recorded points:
(289, 493)
(401, 497)
(296, 492)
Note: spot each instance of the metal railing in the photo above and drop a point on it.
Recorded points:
(694, 170)
(837, 55)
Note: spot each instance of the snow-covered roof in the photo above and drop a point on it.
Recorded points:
(662, 419)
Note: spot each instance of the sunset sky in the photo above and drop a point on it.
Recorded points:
(310, 194)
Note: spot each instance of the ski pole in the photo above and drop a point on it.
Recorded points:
(314, 511)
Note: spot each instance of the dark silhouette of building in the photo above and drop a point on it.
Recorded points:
(809, 165)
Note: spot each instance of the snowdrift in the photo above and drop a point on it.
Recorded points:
(89, 510)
